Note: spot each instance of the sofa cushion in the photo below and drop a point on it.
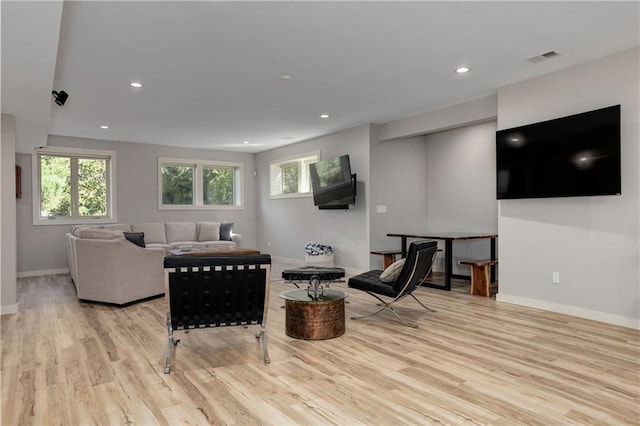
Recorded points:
(225, 231)
(165, 247)
(180, 231)
(136, 238)
(208, 231)
(153, 232)
(124, 227)
(77, 229)
(99, 234)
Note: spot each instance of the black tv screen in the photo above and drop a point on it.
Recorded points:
(572, 156)
(332, 183)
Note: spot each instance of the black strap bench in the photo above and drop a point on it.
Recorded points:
(216, 291)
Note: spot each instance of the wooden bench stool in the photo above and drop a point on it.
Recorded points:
(480, 281)
(388, 256)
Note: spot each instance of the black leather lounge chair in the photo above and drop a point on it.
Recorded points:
(417, 266)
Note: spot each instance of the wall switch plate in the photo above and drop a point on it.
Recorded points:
(381, 209)
(556, 277)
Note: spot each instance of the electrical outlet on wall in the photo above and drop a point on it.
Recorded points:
(269, 243)
(556, 277)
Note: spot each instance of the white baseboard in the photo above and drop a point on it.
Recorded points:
(571, 310)
(9, 309)
(25, 274)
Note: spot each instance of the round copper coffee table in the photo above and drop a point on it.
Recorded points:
(314, 316)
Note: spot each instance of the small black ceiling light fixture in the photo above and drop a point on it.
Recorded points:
(60, 97)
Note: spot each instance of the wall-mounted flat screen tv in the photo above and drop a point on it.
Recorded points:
(573, 156)
(333, 185)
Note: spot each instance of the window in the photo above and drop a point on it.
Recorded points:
(289, 177)
(199, 185)
(73, 186)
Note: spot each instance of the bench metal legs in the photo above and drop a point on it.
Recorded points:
(263, 336)
(170, 345)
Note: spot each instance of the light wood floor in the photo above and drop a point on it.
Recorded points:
(475, 361)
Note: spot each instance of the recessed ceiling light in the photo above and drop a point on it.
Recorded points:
(245, 142)
(286, 76)
(462, 70)
(324, 116)
(136, 84)
(104, 127)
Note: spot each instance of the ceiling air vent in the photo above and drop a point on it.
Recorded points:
(543, 56)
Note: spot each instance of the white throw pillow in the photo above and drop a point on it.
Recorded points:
(208, 231)
(390, 274)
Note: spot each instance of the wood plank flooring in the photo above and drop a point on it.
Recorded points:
(475, 361)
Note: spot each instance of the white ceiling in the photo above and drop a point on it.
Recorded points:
(211, 69)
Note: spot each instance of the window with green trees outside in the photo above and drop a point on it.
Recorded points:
(196, 184)
(73, 186)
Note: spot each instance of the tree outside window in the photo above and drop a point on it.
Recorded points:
(177, 184)
(289, 177)
(92, 187)
(55, 186)
(73, 186)
(218, 185)
(196, 184)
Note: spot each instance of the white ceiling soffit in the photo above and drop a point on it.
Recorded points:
(29, 50)
(211, 70)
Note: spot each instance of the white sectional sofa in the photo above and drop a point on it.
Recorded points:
(106, 266)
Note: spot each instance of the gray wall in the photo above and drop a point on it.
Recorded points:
(289, 224)
(444, 181)
(593, 242)
(42, 248)
(461, 188)
(399, 184)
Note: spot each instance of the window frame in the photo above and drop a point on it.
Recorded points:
(69, 152)
(287, 161)
(198, 190)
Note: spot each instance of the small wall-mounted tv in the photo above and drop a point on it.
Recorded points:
(334, 187)
(573, 156)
